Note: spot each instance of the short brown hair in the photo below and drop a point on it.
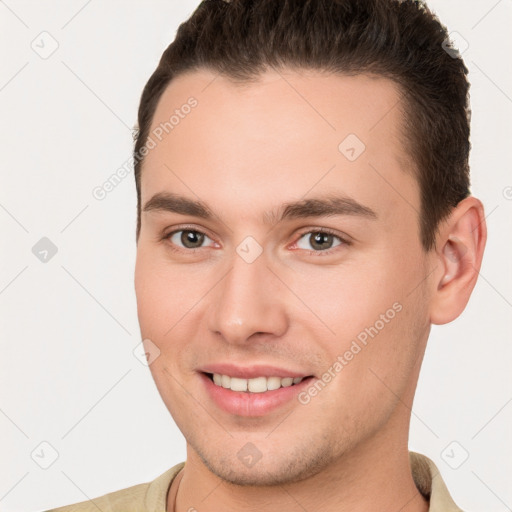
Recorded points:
(398, 39)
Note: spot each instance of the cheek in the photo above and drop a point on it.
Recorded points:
(149, 291)
(164, 292)
(391, 343)
(376, 323)
(349, 298)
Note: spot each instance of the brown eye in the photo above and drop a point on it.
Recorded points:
(319, 241)
(187, 238)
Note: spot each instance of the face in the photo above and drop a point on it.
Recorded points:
(303, 259)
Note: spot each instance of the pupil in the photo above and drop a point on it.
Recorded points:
(320, 238)
(191, 237)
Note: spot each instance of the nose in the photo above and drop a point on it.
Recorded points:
(249, 302)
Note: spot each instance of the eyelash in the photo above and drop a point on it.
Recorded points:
(326, 231)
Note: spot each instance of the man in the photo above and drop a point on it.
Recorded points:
(304, 216)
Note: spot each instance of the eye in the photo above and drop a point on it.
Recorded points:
(321, 240)
(187, 238)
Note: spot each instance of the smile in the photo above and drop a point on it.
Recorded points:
(255, 385)
(252, 397)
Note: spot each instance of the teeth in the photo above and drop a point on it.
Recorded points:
(225, 381)
(288, 381)
(238, 384)
(256, 385)
(273, 383)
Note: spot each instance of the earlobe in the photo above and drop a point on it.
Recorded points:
(461, 243)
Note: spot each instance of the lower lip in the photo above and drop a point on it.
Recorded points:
(242, 403)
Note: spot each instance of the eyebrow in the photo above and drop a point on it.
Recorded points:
(330, 205)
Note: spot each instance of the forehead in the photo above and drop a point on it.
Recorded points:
(283, 134)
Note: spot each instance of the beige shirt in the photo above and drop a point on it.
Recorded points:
(152, 496)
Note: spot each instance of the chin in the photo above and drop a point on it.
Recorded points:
(299, 463)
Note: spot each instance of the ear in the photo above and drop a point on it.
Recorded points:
(460, 246)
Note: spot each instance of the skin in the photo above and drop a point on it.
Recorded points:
(246, 150)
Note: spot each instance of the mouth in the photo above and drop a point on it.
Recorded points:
(260, 384)
(253, 397)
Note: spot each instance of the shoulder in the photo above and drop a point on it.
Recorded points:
(149, 496)
(430, 484)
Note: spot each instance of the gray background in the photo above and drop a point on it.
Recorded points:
(68, 376)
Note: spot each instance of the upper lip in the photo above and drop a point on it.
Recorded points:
(250, 372)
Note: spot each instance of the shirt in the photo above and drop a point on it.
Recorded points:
(152, 496)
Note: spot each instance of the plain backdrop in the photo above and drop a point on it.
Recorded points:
(73, 395)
